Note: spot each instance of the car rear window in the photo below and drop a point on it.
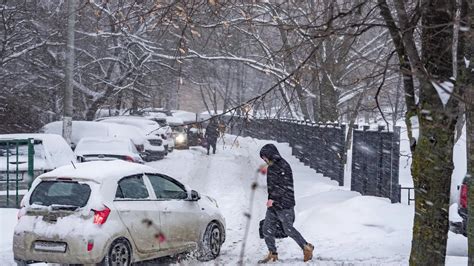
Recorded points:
(68, 193)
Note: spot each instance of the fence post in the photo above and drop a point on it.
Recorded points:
(341, 152)
(16, 182)
(8, 174)
(394, 165)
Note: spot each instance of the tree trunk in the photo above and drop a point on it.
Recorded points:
(432, 165)
(328, 99)
(68, 90)
(352, 119)
(466, 79)
(405, 67)
(470, 168)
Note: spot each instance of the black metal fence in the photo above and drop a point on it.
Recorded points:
(375, 161)
(320, 146)
(375, 154)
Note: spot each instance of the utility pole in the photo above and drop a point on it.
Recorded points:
(68, 88)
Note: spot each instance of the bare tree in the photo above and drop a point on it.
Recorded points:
(434, 114)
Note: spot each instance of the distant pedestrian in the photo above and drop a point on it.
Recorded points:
(280, 204)
(211, 135)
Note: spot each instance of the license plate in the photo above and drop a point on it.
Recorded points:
(50, 246)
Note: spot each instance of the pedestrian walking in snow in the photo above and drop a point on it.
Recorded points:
(212, 132)
(280, 204)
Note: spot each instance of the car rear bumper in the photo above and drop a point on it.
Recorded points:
(75, 252)
(150, 155)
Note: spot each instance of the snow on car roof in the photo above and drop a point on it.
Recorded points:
(156, 114)
(126, 117)
(104, 145)
(99, 170)
(81, 129)
(174, 121)
(57, 151)
(149, 126)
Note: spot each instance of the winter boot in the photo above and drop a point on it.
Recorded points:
(271, 257)
(308, 252)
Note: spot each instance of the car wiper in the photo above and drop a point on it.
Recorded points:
(56, 207)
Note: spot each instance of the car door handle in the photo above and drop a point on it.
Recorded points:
(166, 211)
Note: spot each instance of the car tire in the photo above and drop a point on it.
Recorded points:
(211, 243)
(119, 253)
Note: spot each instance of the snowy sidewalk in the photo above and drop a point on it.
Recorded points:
(344, 226)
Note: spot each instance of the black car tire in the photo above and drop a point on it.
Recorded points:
(120, 253)
(211, 243)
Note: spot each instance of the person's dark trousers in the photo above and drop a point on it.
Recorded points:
(286, 217)
(211, 142)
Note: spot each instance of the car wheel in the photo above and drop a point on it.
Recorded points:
(211, 243)
(119, 253)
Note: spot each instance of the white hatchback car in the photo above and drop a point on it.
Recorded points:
(114, 213)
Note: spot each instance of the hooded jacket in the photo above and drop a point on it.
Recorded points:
(212, 132)
(279, 178)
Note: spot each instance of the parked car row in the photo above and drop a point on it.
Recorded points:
(180, 129)
(150, 146)
(139, 139)
(94, 202)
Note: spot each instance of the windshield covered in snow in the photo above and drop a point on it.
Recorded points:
(66, 193)
(105, 146)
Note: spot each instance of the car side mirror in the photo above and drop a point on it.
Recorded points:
(194, 196)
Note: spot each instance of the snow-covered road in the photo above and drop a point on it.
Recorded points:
(345, 227)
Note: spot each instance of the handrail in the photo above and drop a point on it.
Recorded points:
(409, 198)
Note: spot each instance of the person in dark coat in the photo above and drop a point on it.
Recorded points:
(280, 204)
(212, 132)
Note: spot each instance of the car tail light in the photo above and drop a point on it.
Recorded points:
(100, 217)
(463, 196)
(129, 159)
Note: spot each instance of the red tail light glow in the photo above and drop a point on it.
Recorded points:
(463, 196)
(100, 217)
(90, 245)
(129, 159)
